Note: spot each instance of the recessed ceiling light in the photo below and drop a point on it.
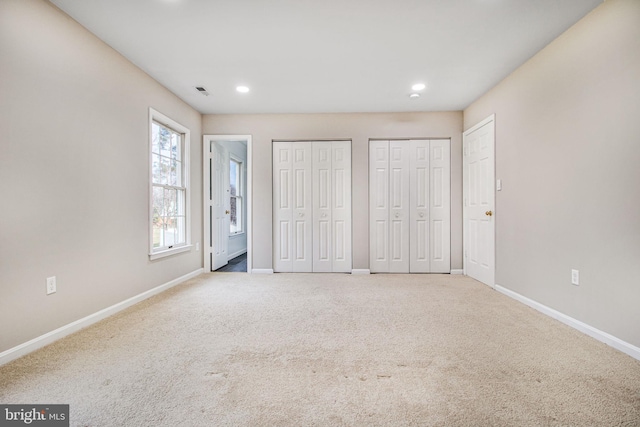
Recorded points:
(418, 86)
(414, 96)
(242, 89)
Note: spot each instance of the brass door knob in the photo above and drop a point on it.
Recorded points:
(226, 212)
(488, 213)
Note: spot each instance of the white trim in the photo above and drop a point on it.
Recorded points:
(601, 336)
(237, 254)
(456, 272)
(48, 338)
(260, 270)
(358, 271)
(206, 174)
(169, 252)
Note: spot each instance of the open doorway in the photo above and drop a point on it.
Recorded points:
(227, 203)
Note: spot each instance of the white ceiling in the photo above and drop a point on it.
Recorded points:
(311, 56)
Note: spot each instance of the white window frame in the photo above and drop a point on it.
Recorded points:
(156, 116)
(240, 192)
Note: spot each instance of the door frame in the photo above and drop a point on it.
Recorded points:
(465, 209)
(206, 189)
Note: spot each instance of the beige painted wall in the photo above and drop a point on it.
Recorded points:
(357, 127)
(568, 152)
(74, 170)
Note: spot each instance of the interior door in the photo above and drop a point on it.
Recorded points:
(440, 206)
(220, 206)
(399, 213)
(420, 261)
(379, 206)
(341, 257)
(479, 201)
(322, 222)
(293, 208)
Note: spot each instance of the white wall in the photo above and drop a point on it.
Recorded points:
(74, 168)
(265, 128)
(568, 154)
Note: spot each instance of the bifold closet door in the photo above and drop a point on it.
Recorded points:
(293, 207)
(331, 206)
(440, 205)
(409, 191)
(389, 206)
(312, 206)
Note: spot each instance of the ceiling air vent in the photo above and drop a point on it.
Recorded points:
(202, 90)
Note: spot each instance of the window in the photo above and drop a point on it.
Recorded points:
(235, 190)
(169, 187)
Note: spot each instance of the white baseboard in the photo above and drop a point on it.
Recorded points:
(262, 271)
(601, 336)
(237, 254)
(360, 271)
(48, 338)
(458, 272)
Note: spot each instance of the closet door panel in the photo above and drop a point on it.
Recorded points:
(419, 211)
(282, 207)
(322, 189)
(341, 207)
(440, 206)
(379, 206)
(399, 204)
(302, 207)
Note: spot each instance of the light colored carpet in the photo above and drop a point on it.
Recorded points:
(330, 350)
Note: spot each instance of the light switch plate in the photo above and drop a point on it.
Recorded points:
(498, 184)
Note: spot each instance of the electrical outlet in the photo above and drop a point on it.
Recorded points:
(575, 277)
(51, 285)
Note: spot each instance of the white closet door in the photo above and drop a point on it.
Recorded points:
(322, 189)
(282, 207)
(302, 207)
(341, 206)
(399, 215)
(440, 209)
(379, 206)
(420, 261)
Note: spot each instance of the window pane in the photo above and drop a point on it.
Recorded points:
(170, 202)
(180, 203)
(165, 142)
(155, 138)
(157, 233)
(175, 146)
(156, 169)
(181, 230)
(158, 202)
(235, 223)
(233, 177)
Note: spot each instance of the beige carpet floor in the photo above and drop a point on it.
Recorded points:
(231, 349)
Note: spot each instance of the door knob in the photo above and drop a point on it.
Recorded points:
(421, 214)
(226, 212)
(488, 213)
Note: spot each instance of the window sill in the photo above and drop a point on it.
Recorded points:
(169, 252)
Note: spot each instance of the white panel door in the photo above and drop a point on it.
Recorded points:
(322, 218)
(399, 213)
(219, 206)
(440, 206)
(379, 206)
(479, 200)
(420, 261)
(341, 207)
(282, 207)
(302, 205)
